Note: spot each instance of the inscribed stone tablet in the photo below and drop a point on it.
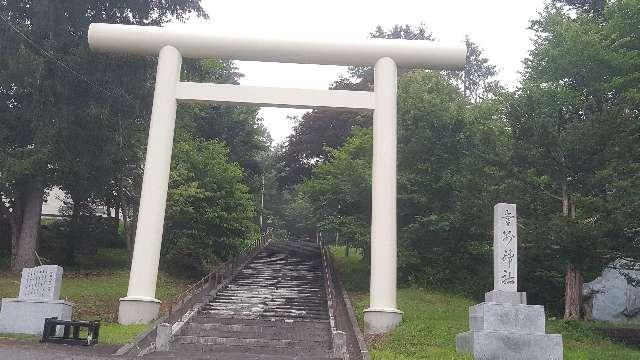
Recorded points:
(505, 247)
(42, 282)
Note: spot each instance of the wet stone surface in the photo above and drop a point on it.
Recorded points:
(274, 308)
(284, 281)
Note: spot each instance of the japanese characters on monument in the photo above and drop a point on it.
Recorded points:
(41, 282)
(505, 247)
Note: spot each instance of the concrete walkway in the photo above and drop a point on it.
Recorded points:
(31, 350)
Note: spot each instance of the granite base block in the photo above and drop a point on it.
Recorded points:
(26, 316)
(503, 345)
(380, 321)
(138, 310)
(507, 317)
(506, 297)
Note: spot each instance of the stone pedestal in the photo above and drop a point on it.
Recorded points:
(508, 331)
(503, 345)
(38, 299)
(506, 297)
(26, 316)
(381, 321)
(138, 310)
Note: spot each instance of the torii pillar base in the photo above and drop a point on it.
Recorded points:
(381, 321)
(138, 310)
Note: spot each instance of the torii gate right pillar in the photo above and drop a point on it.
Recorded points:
(382, 314)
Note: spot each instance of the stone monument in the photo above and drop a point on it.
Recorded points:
(504, 327)
(39, 298)
(615, 295)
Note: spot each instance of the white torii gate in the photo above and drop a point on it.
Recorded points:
(170, 44)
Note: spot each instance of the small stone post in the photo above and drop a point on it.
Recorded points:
(163, 337)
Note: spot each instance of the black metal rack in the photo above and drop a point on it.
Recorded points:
(71, 332)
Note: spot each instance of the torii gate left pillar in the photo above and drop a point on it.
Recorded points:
(140, 304)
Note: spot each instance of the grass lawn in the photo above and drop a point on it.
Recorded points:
(433, 318)
(94, 287)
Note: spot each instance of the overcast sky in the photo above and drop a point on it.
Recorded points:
(497, 26)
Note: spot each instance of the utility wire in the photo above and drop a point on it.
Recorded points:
(50, 55)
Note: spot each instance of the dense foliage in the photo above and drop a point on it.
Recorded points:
(78, 120)
(449, 174)
(70, 117)
(210, 213)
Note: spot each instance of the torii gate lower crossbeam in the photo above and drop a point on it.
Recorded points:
(140, 304)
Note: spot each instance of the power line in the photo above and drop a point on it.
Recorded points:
(50, 55)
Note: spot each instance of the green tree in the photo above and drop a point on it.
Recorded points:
(239, 127)
(210, 214)
(451, 159)
(51, 96)
(477, 81)
(572, 148)
(337, 196)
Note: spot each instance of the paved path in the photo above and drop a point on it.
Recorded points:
(28, 350)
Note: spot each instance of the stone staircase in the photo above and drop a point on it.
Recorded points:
(274, 308)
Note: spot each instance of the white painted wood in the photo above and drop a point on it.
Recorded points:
(155, 182)
(383, 188)
(274, 96)
(148, 40)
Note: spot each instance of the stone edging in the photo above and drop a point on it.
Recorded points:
(352, 318)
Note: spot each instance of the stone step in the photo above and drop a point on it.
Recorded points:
(284, 303)
(269, 316)
(310, 307)
(199, 355)
(319, 344)
(270, 311)
(302, 351)
(268, 295)
(274, 284)
(259, 279)
(231, 320)
(319, 332)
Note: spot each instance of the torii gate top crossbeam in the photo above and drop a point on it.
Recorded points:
(148, 40)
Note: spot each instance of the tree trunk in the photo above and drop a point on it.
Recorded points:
(14, 217)
(116, 218)
(573, 209)
(126, 233)
(565, 199)
(346, 246)
(29, 225)
(73, 236)
(15, 221)
(573, 292)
